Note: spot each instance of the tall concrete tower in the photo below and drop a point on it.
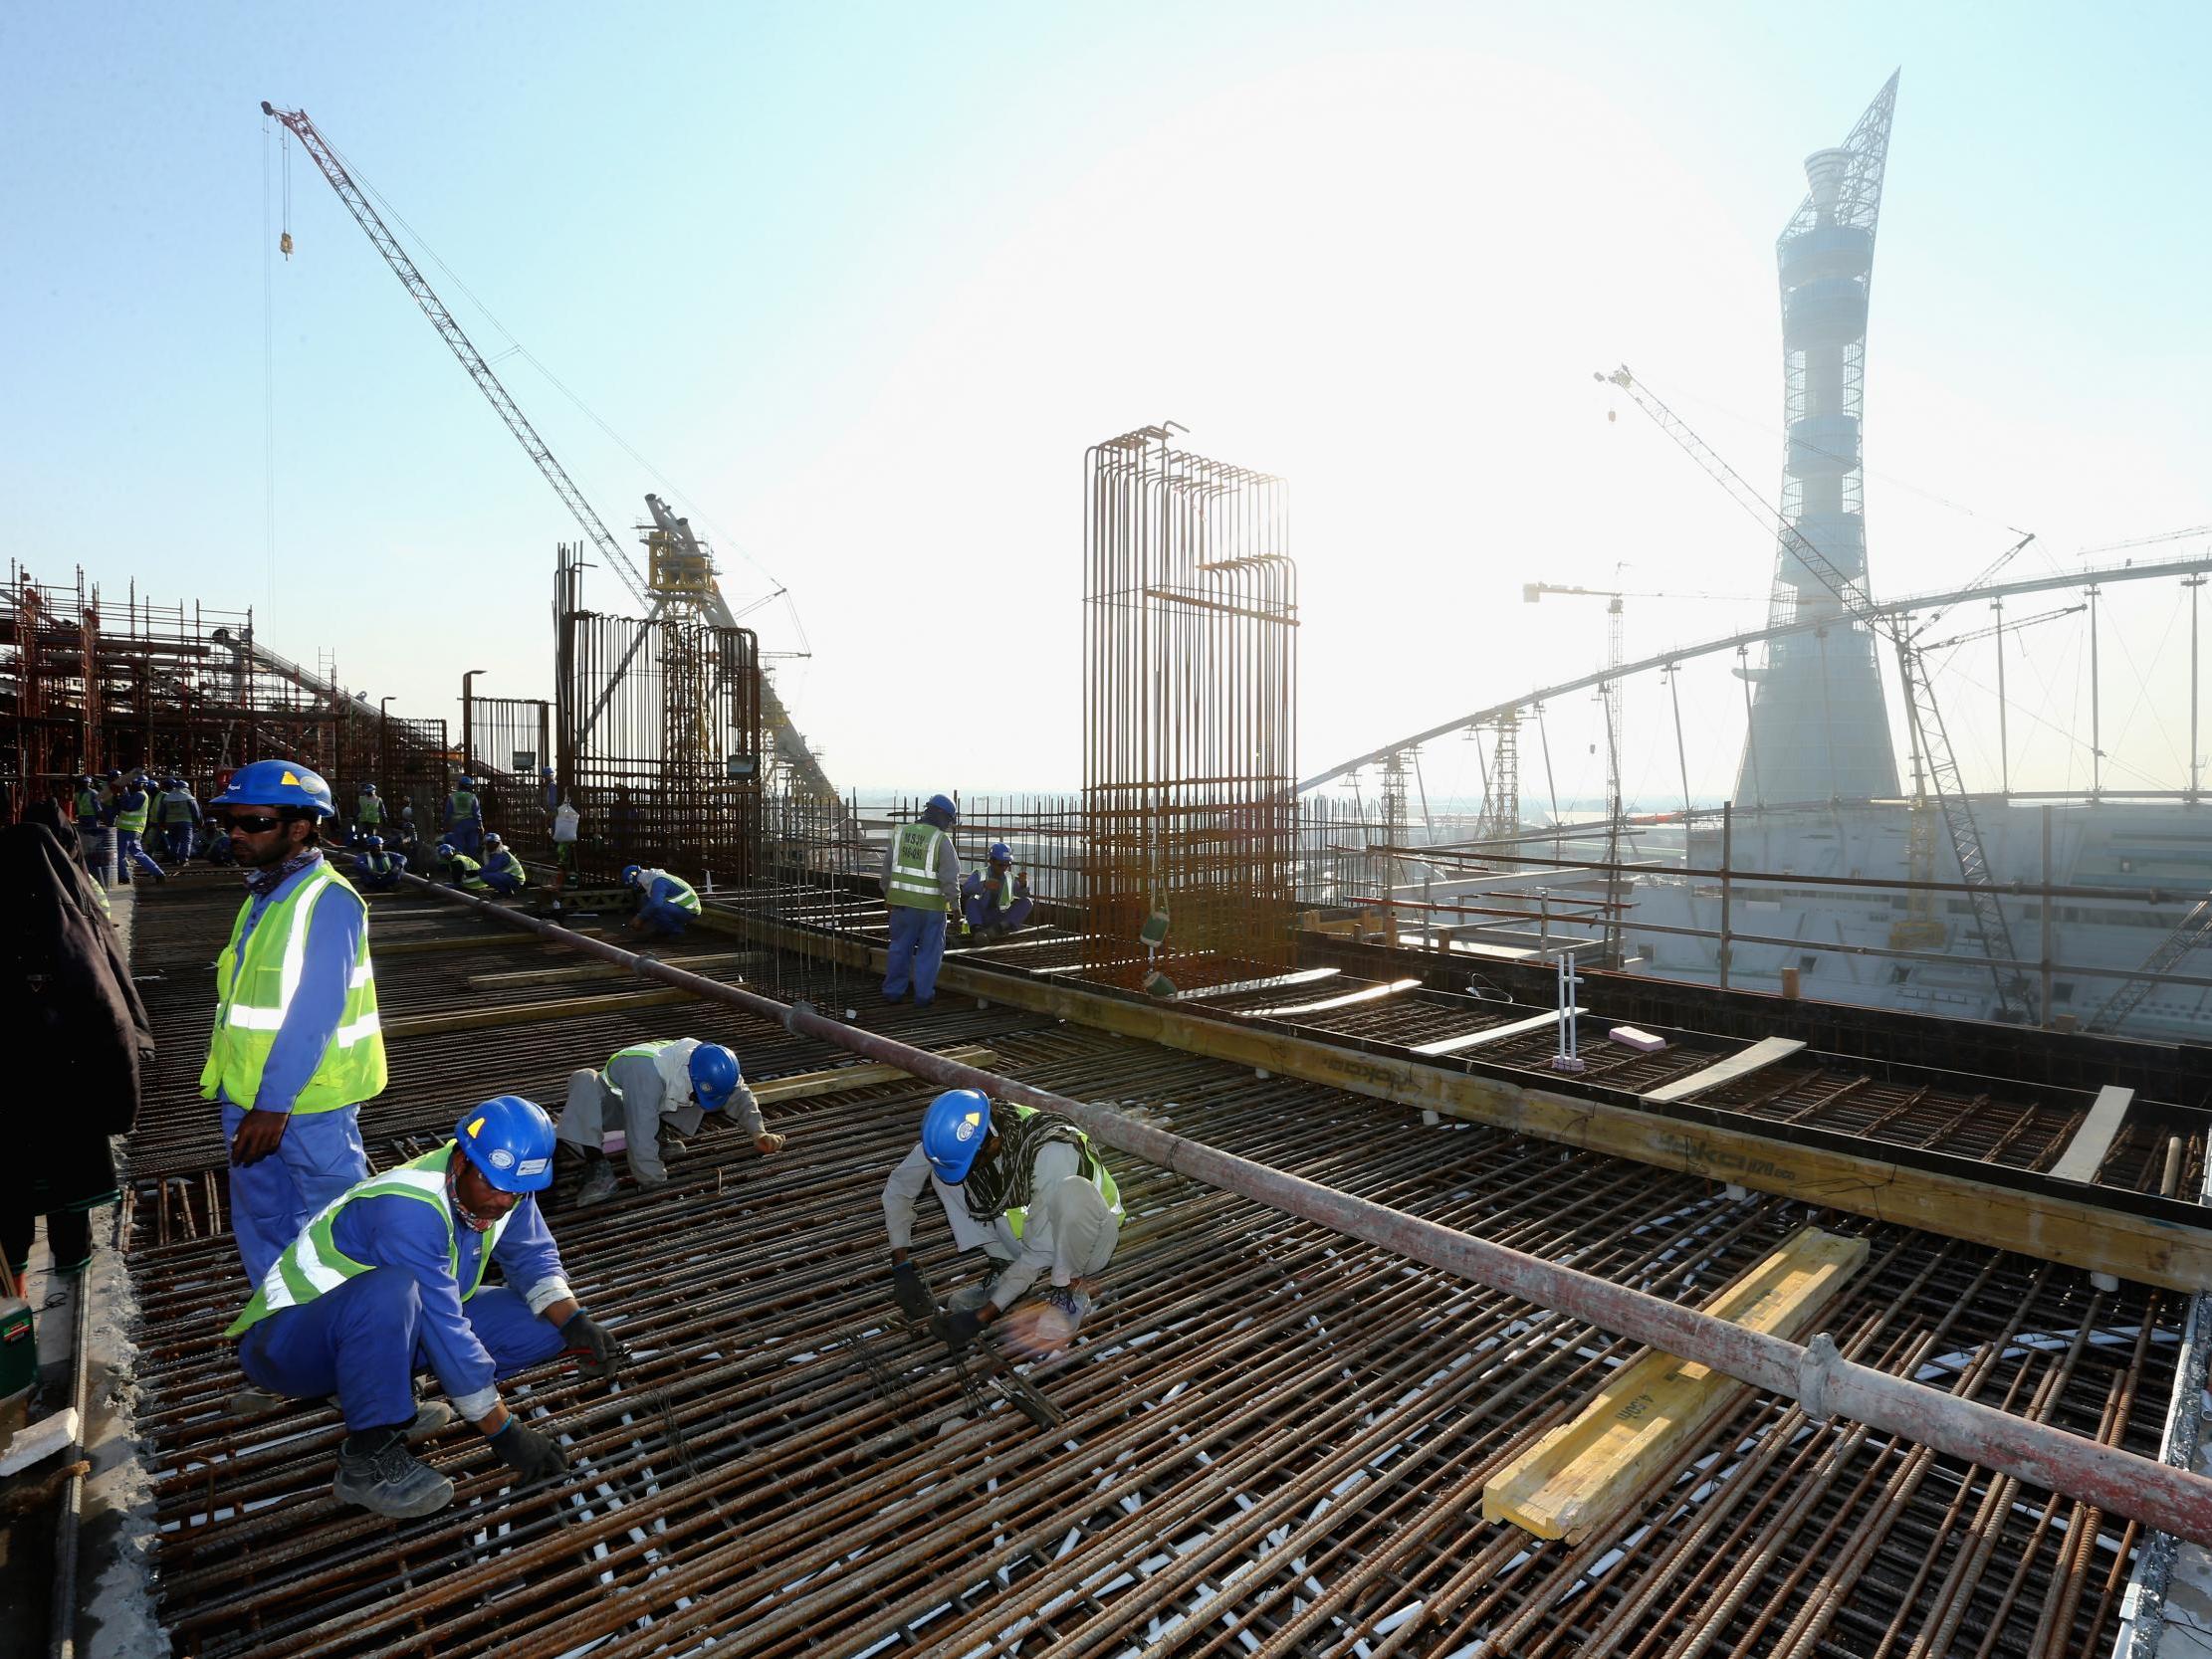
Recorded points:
(1818, 726)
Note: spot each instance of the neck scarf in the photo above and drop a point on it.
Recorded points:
(1008, 1180)
(262, 883)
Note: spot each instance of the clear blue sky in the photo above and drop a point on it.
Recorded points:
(863, 282)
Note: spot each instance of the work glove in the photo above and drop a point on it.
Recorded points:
(911, 1294)
(604, 1357)
(957, 1329)
(531, 1455)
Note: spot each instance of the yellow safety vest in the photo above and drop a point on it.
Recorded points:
(913, 882)
(255, 987)
(1095, 1171)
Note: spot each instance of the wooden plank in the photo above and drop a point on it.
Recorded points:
(1273, 982)
(1760, 1055)
(803, 1085)
(459, 941)
(2147, 1249)
(530, 1013)
(594, 971)
(2084, 1153)
(1494, 1034)
(1373, 993)
(1582, 1475)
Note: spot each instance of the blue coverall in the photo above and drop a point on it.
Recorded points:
(91, 830)
(660, 910)
(464, 827)
(128, 850)
(503, 872)
(370, 879)
(974, 901)
(365, 1339)
(179, 815)
(320, 1154)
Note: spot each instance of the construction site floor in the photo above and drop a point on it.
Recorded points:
(1266, 1439)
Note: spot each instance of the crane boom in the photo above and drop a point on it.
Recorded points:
(416, 283)
(1930, 742)
(791, 748)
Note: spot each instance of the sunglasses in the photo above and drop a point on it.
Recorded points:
(253, 823)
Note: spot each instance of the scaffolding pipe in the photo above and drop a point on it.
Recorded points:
(1815, 1375)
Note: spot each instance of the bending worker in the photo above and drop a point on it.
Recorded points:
(297, 1045)
(390, 1275)
(1026, 1188)
(374, 870)
(679, 1079)
(503, 871)
(178, 814)
(665, 903)
(460, 869)
(921, 887)
(464, 816)
(995, 900)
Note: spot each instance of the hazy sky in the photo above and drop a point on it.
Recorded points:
(862, 281)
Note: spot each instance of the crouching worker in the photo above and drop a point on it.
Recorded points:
(679, 1079)
(1025, 1187)
(503, 871)
(995, 900)
(374, 870)
(390, 1275)
(665, 903)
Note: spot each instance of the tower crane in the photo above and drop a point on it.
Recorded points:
(693, 590)
(1934, 761)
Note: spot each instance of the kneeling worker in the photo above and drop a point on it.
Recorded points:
(503, 871)
(997, 899)
(391, 1271)
(374, 870)
(679, 1078)
(460, 870)
(665, 903)
(1025, 1187)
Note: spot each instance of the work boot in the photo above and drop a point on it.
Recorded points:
(598, 1184)
(389, 1480)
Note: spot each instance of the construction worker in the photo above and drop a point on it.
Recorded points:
(503, 871)
(390, 1276)
(92, 828)
(133, 807)
(1001, 1175)
(368, 812)
(219, 850)
(297, 1045)
(678, 1080)
(921, 887)
(464, 816)
(665, 903)
(460, 870)
(178, 813)
(374, 870)
(995, 899)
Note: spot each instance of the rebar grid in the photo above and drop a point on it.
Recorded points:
(1273, 1439)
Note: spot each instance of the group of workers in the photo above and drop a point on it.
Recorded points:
(131, 808)
(363, 1280)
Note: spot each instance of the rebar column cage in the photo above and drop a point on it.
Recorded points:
(1189, 715)
(660, 743)
(510, 740)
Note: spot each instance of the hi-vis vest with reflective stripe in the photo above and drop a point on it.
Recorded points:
(87, 804)
(644, 1051)
(1006, 888)
(176, 807)
(312, 1264)
(914, 868)
(505, 862)
(132, 818)
(461, 806)
(255, 990)
(1094, 1171)
(684, 898)
(379, 864)
(369, 809)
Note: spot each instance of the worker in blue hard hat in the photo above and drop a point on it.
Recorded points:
(503, 871)
(297, 1044)
(178, 815)
(1001, 1175)
(91, 823)
(369, 813)
(460, 870)
(995, 899)
(665, 902)
(653, 1092)
(464, 816)
(375, 869)
(133, 807)
(921, 889)
(389, 1279)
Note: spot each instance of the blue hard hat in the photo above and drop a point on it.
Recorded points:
(954, 1130)
(631, 874)
(278, 783)
(1000, 853)
(444, 850)
(943, 804)
(492, 840)
(714, 1075)
(511, 1143)
(368, 788)
(374, 843)
(112, 773)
